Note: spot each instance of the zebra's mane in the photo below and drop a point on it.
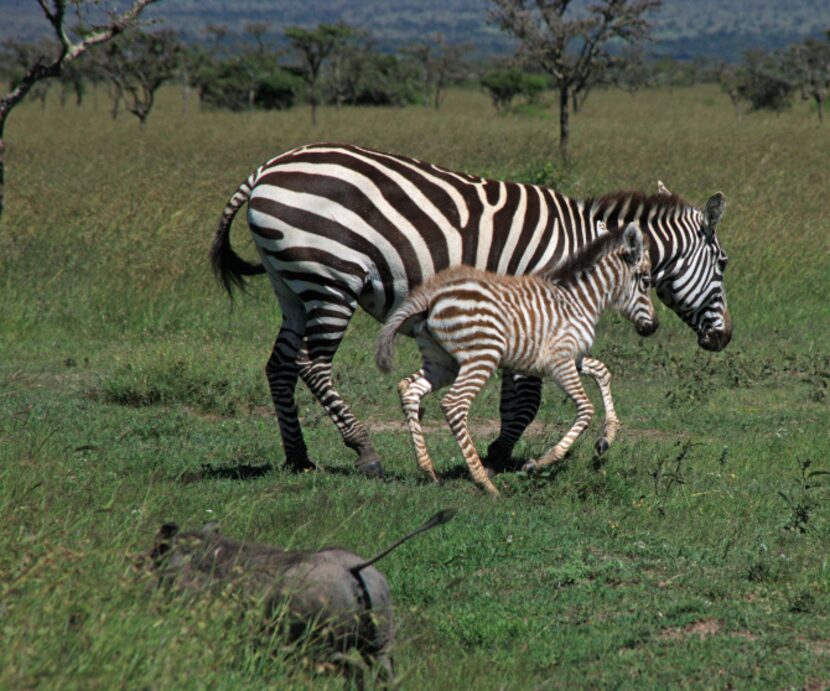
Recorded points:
(585, 258)
(620, 205)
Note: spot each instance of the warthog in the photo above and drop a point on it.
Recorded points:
(333, 596)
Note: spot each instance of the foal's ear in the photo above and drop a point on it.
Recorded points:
(712, 214)
(662, 189)
(632, 244)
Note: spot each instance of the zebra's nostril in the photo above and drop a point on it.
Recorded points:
(646, 328)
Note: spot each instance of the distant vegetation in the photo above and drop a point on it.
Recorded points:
(684, 30)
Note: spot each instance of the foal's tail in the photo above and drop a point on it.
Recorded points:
(417, 302)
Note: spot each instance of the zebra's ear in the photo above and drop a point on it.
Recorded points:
(632, 244)
(662, 189)
(712, 214)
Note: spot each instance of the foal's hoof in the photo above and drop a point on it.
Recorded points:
(529, 467)
(601, 446)
(371, 469)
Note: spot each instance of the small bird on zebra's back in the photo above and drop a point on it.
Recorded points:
(468, 322)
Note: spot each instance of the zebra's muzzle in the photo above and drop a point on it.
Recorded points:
(646, 328)
(717, 339)
(714, 340)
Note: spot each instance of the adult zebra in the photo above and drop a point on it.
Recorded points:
(340, 226)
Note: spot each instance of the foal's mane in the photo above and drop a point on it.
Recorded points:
(586, 257)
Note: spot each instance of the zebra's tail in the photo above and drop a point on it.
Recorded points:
(229, 267)
(416, 302)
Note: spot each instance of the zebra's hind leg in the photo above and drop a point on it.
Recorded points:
(567, 376)
(520, 398)
(472, 377)
(282, 373)
(600, 373)
(324, 332)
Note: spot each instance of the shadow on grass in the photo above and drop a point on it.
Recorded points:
(228, 472)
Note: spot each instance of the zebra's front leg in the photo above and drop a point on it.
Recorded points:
(600, 373)
(520, 398)
(472, 377)
(567, 376)
(324, 332)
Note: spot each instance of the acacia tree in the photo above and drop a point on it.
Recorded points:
(809, 65)
(314, 46)
(66, 51)
(137, 64)
(572, 47)
(440, 61)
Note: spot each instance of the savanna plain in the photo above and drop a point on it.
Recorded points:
(693, 554)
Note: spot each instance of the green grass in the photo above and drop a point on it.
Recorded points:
(694, 554)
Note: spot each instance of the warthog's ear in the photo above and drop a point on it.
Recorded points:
(632, 242)
(161, 545)
(662, 189)
(712, 214)
(167, 531)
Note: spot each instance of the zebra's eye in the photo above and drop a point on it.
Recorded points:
(645, 281)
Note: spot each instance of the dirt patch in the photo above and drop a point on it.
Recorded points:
(481, 427)
(819, 647)
(701, 629)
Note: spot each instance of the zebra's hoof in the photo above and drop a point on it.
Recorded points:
(529, 467)
(300, 465)
(371, 469)
(602, 445)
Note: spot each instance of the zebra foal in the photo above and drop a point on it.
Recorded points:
(468, 322)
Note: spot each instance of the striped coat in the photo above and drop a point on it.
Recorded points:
(338, 227)
(468, 322)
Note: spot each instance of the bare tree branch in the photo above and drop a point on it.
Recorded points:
(43, 68)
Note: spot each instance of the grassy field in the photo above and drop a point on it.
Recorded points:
(695, 553)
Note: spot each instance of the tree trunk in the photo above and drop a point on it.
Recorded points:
(564, 127)
(312, 99)
(820, 104)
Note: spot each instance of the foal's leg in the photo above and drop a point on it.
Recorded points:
(599, 372)
(567, 376)
(412, 389)
(472, 376)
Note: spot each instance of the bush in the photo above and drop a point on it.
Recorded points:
(230, 85)
(505, 84)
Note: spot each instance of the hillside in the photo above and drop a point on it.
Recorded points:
(707, 28)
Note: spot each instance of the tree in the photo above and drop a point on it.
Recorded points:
(66, 51)
(764, 83)
(572, 47)
(505, 84)
(440, 62)
(314, 46)
(138, 63)
(809, 65)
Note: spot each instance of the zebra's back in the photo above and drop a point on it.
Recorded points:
(382, 224)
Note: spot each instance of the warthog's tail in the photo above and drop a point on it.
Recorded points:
(438, 519)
